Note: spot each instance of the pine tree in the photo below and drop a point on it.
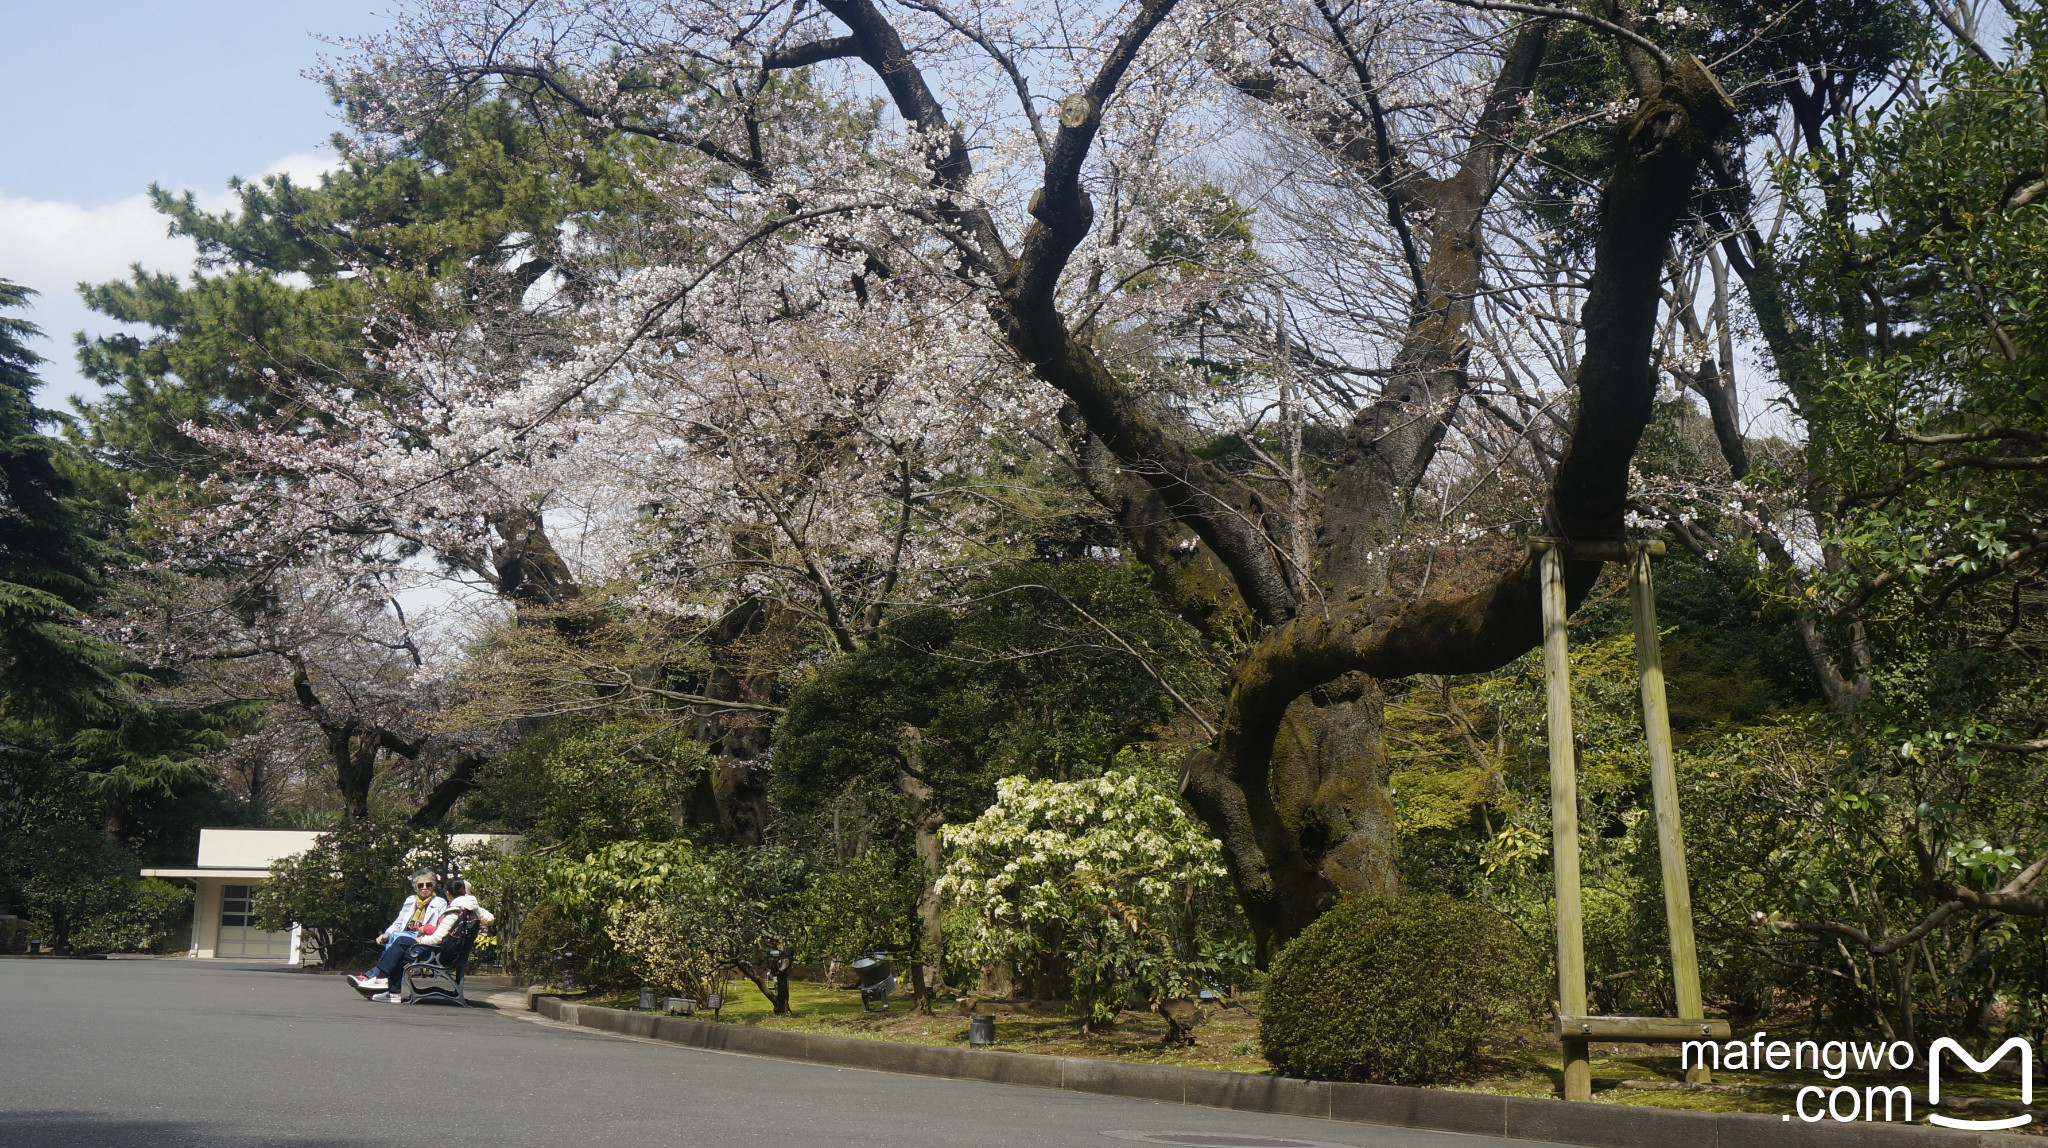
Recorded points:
(52, 672)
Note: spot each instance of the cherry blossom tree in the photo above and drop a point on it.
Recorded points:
(1044, 226)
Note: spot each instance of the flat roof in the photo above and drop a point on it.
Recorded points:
(245, 874)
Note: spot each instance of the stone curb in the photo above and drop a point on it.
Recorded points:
(1473, 1113)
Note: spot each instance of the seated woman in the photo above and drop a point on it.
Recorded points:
(461, 907)
(420, 913)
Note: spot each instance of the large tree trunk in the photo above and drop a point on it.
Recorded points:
(1233, 783)
(1330, 785)
(734, 795)
(926, 819)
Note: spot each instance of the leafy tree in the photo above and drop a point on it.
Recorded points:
(296, 281)
(726, 908)
(577, 787)
(1047, 670)
(868, 904)
(1913, 287)
(348, 886)
(1097, 889)
(88, 765)
(56, 675)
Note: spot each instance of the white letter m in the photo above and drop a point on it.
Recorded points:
(2026, 1052)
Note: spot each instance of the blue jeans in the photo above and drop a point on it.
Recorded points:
(393, 958)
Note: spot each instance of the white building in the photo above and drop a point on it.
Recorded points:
(231, 863)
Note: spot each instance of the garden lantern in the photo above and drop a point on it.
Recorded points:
(981, 1030)
(877, 980)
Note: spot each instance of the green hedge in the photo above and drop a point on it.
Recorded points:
(1398, 991)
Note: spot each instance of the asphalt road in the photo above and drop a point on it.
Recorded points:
(174, 1052)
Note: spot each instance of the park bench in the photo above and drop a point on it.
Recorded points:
(438, 974)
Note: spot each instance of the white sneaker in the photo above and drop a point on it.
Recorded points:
(387, 998)
(367, 982)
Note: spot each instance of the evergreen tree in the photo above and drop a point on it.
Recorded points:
(302, 282)
(51, 671)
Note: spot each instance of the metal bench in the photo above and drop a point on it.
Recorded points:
(437, 973)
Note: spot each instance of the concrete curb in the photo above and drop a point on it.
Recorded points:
(1474, 1113)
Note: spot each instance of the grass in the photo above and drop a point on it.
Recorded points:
(1227, 1039)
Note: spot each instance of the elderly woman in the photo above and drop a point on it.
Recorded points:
(461, 906)
(418, 915)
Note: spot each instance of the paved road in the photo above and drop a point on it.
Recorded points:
(173, 1052)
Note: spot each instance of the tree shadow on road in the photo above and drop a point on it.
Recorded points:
(93, 1130)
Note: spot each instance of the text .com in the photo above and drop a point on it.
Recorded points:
(1835, 1059)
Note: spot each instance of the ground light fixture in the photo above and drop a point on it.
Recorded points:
(981, 1030)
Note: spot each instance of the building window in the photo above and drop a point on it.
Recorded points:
(236, 907)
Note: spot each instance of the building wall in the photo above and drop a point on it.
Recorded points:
(211, 938)
(206, 916)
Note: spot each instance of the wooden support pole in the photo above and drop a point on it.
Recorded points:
(1564, 824)
(1685, 967)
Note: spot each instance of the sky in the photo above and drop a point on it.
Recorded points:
(104, 98)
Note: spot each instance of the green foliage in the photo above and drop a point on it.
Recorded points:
(575, 903)
(126, 915)
(1941, 331)
(1916, 271)
(1098, 887)
(64, 875)
(1398, 991)
(348, 886)
(1016, 681)
(54, 676)
(723, 910)
(298, 276)
(1793, 821)
(84, 760)
(868, 904)
(582, 787)
(1754, 47)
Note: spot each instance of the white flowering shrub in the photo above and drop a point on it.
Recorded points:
(1109, 884)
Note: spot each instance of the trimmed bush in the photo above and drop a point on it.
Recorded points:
(1397, 991)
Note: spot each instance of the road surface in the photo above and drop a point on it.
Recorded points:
(156, 1053)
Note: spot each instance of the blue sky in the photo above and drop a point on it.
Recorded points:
(104, 98)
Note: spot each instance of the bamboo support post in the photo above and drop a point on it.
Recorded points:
(1564, 822)
(1685, 969)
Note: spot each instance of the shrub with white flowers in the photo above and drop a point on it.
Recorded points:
(1108, 884)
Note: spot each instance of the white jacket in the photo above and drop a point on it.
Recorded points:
(445, 924)
(435, 908)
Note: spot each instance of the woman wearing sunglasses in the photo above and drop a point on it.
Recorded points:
(416, 916)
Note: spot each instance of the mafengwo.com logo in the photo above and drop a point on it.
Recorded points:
(1835, 1059)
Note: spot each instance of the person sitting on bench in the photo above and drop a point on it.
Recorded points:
(461, 907)
(420, 913)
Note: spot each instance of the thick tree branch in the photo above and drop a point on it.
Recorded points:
(804, 55)
(1660, 151)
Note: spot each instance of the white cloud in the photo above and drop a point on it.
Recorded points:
(305, 167)
(52, 246)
